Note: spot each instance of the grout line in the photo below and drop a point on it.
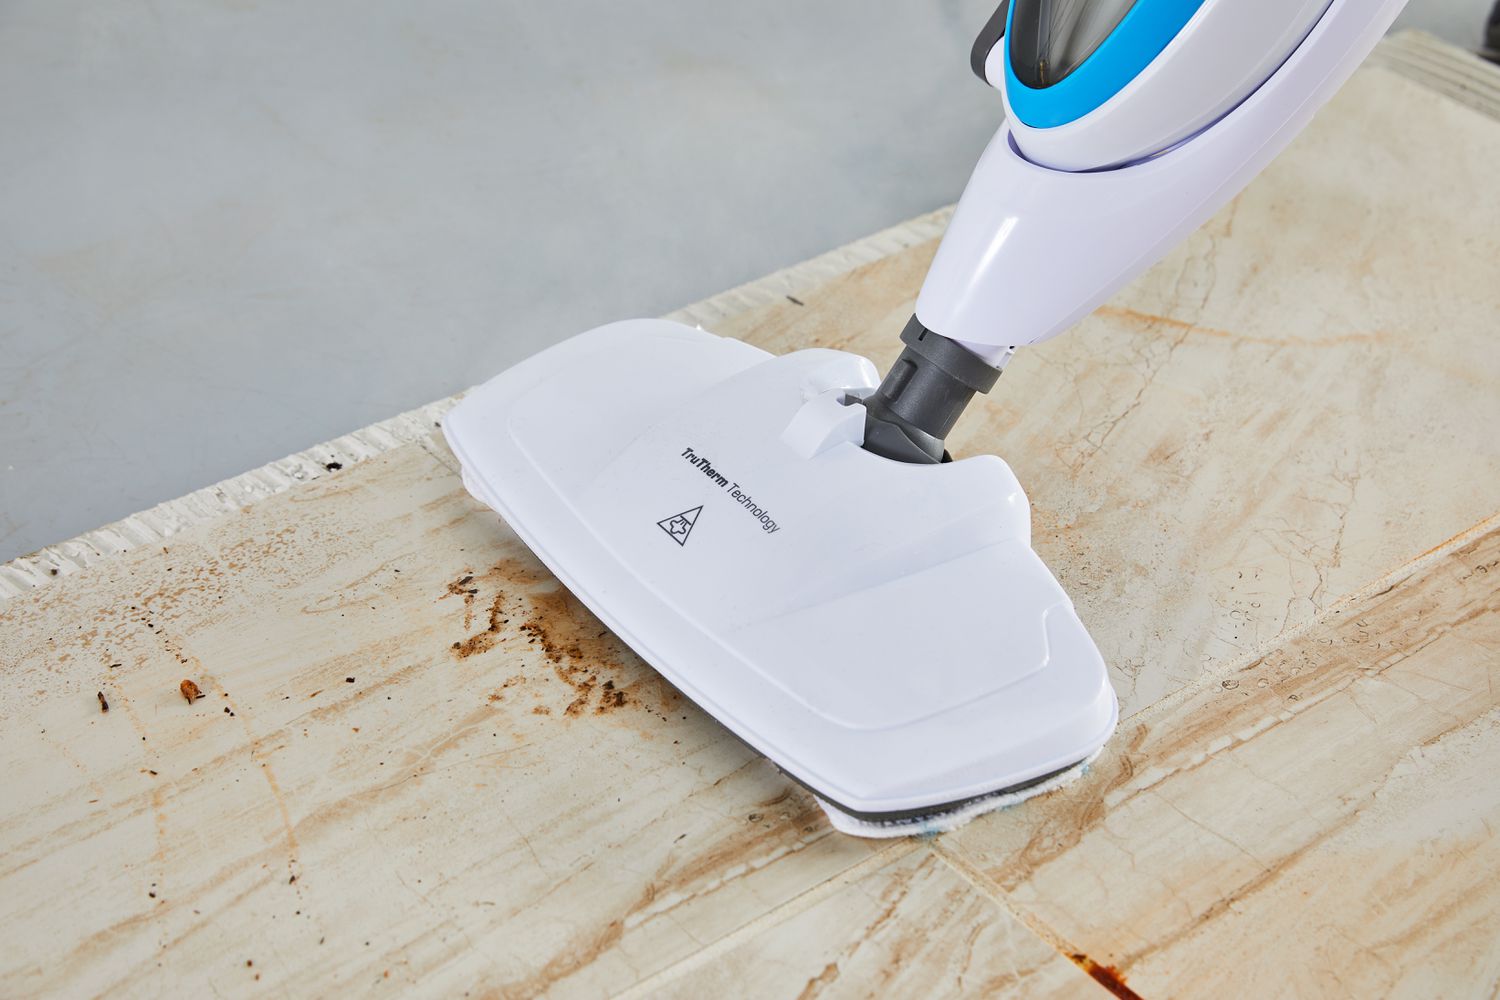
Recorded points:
(776, 915)
(1210, 676)
(981, 883)
(987, 887)
(1105, 976)
(437, 446)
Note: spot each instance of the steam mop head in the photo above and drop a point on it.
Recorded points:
(882, 631)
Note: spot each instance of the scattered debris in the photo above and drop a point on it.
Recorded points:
(190, 691)
(103, 703)
(333, 466)
(348, 680)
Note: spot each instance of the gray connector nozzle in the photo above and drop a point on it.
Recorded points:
(921, 397)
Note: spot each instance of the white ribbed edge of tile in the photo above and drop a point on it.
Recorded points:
(155, 525)
(1447, 69)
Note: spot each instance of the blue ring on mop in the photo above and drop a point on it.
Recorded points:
(1142, 34)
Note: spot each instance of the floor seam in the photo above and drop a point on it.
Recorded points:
(1375, 588)
(778, 914)
(986, 887)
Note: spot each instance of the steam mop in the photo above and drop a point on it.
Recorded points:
(787, 540)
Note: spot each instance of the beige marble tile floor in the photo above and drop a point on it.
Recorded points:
(1268, 472)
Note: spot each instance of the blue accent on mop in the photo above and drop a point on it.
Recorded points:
(1146, 29)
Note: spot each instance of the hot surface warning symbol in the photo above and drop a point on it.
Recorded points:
(679, 526)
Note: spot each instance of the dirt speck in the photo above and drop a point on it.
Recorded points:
(190, 691)
(610, 700)
(103, 701)
(461, 588)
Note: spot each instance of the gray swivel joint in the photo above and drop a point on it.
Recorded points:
(921, 397)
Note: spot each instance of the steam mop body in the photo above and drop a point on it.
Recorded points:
(785, 538)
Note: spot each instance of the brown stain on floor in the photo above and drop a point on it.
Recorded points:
(1138, 318)
(530, 608)
(579, 648)
(486, 640)
(1105, 975)
(463, 587)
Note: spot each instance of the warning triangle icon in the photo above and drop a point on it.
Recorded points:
(679, 526)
